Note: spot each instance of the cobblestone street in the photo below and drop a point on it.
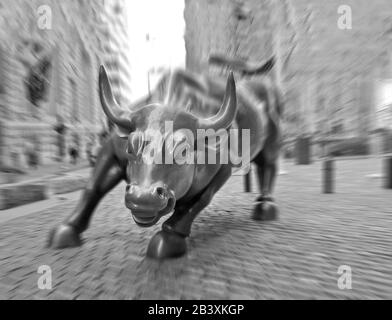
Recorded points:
(230, 256)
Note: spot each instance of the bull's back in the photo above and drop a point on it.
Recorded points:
(271, 108)
(259, 110)
(258, 105)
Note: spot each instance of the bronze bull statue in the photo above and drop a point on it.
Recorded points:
(190, 102)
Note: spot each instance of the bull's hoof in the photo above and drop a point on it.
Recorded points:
(265, 211)
(64, 236)
(166, 245)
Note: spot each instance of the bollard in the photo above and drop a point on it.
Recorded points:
(328, 175)
(247, 181)
(281, 170)
(388, 173)
(303, 151)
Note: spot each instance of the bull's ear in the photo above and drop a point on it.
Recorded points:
(121, 133)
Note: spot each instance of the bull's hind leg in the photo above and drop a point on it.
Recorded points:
(265, 209)
(170, 242)
(106, 175)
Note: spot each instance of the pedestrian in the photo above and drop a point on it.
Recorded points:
(91, 150)
(73, 153)
(31, 155)
(95, 152)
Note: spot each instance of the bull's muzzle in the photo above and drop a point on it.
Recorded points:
(149, 204)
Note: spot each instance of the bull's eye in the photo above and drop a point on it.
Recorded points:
(129, 149)
(135, 143)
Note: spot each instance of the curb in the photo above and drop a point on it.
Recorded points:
(22, 193)
(13, 195)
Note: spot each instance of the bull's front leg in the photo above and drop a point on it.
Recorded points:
(266, 209)
(170, 241)
(106, 175)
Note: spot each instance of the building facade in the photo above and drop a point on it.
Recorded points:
(72, 37)
(331, 76)
(117, 49)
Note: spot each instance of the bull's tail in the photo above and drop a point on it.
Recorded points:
(246, 68)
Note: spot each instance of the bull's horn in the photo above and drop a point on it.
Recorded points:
(109, 103)
(227, 111)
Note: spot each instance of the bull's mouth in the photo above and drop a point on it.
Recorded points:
(145, 222)
(145, 219)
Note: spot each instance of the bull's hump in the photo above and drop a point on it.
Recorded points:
(252, 114)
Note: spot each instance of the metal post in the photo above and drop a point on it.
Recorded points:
(303, 146)
(388, 172)
(248, 182)
(241, 13)
(328, 175)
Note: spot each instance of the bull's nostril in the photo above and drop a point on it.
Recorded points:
(127, 188)
(160, 192)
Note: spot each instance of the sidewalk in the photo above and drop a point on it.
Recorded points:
(230, 256)
(50, 170)
(42, 183)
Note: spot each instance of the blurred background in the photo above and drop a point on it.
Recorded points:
(334, 65)
(337, 83)
(50, 54)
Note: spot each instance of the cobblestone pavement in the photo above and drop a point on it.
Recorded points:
(55, 169)
(230, 256)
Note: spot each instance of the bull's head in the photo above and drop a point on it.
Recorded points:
(152, 186)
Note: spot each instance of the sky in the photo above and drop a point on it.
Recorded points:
(164, 22)
(385, 94)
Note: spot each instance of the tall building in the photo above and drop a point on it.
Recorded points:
(116, 49)
(242, 29)
(62, 43)
(333, 77)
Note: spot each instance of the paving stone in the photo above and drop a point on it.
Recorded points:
(230, 255)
